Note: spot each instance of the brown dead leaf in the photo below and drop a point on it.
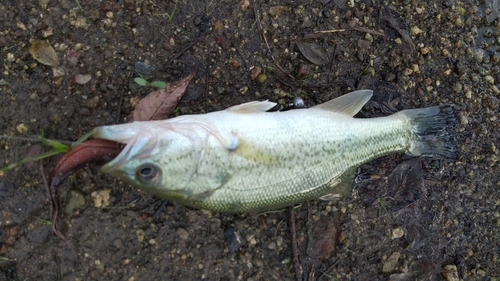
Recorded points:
(160, 103)
(312, 52)
(43, 52)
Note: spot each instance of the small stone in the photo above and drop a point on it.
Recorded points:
(75, 200)
(257, 262)
(92, 102)
(82, 78)
(49, 31)
(10, 57)
(101, 197)
(414, 30)
(275, 11)
(489, 79)
(391, 262)
(182, 233)
(233, 239)
(397, 232)
(450, 273)
(457, 87)
(464, 120)
(261, 78)
(140, 235)
(21, 128)
(244, 4)
(243, 90)
(299, 9)
(58, 71)
(407, 71)
(254, 72)
(72, 57)
(303, 70)
(369, 37)
(425, 50)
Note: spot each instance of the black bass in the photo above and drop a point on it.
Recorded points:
(245, 159)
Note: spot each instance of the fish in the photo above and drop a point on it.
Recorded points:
(247, 159)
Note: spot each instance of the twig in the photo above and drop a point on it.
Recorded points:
(329, 31)
(374, 32)
(31, 139)
(203, 30)
(259, 27)
(295, 250)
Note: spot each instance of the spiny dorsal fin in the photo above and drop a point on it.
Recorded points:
(348, 104)
(252, 107)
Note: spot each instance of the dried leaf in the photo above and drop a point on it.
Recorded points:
(160, 103)
(395, 21)
(43, 52)
(312, 52)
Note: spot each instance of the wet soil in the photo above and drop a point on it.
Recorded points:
(408, 219)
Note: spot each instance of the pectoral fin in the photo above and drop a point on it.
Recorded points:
(340, 186)
(254, 153)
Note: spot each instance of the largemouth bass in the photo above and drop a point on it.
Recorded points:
(245, 159)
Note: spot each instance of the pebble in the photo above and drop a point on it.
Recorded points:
(414, 30)
(450, 273)
(140, 235)
(257, 262)
(397, 232)
(182, 233)
(101, 197)
(391, 262)
(489, 79)
(233, 239)
(75, 200)
(82, 78)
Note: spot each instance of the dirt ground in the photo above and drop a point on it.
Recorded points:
(410, 219)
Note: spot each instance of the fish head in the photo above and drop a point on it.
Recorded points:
(155, 158)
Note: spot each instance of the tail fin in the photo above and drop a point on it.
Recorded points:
(432, 129)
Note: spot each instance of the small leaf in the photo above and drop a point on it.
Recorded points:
(140, 81)
(158, 104)
(312, 52)
(159, 84)
(43, 52)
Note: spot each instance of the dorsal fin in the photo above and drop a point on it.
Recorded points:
(252, 107)
(348, 104)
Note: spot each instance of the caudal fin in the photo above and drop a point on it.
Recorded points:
(433, 131)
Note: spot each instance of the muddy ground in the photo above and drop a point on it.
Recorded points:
(412, 219)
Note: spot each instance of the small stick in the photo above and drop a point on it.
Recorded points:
(295, 250)
(259, 26)
(374, 32)
(329, 31)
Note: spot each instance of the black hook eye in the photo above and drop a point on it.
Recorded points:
(147, 173)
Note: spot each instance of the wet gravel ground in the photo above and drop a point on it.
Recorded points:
(409, 219)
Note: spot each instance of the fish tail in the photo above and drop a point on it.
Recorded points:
(432, 131)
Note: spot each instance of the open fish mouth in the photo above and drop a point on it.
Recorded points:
(94, 151)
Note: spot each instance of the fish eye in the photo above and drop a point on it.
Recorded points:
(147, 173)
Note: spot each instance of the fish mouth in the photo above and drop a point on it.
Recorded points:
(138, 148)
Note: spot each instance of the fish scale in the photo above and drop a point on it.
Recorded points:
(245, 159)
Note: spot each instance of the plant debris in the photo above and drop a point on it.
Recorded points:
(43, 52)
(160, 103)
(312, 52)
